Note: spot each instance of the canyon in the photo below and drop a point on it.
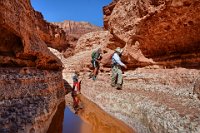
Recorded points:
(161, 49)
(161, 89)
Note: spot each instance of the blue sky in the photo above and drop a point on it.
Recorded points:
(77, 10)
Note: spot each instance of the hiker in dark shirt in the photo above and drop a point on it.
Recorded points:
(96, 56)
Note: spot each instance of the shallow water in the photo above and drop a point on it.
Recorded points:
(74, 124)
(90, 119)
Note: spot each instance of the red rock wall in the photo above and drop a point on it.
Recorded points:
(51, 34)
(74, 30)
(24, 35)
(31, 84)
(77, 29)
(169, 30)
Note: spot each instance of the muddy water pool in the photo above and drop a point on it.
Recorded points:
(89, 119)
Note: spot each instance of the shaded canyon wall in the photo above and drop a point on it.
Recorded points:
(31, 84)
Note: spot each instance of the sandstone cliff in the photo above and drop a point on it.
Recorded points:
(74, 30)
(31, 83)
(77, 29)
(24, 35)
(168, 29)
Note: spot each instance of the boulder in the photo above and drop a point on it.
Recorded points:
(169, 29)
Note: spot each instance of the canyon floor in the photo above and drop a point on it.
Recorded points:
(152, 99)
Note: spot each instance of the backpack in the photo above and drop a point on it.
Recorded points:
(93, 55)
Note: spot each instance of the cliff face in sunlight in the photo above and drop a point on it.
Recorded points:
(77, 29)
(74, 30)
(168, 30)
(31, 83)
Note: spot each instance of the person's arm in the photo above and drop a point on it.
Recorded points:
(118, 60)
(97, 56)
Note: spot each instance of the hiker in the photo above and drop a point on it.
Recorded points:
(96, 56)
(117, 79)
(76, 90)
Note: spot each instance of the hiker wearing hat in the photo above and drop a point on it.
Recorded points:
(117, 79)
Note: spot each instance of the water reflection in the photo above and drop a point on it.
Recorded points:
(66, 121)
(73, 124)
(90, 119)
(56, 125)
(101, 121)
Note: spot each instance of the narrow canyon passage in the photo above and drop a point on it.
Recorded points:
(90, 119)
(157, 41)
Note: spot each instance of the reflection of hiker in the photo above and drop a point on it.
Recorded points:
(96, 56)
(117, 79)
(76, 90)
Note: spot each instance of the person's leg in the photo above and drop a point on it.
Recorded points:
(94, 70)
(93, 67)
(96, 67)
(95, 64)
(113, 78)
(119, 78)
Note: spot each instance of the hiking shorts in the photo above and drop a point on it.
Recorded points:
(95, 64)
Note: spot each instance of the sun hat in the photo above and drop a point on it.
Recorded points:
(118, 49)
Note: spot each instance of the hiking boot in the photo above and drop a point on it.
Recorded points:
(94, 78)
(113, 85)
(119, 87)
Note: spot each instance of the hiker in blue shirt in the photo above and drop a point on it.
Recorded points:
(117, 78)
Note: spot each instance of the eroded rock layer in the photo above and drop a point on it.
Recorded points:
(169, 30)
(74, 30)
(23, 36)
(29, 99)
(31, 84)
(77, 29)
